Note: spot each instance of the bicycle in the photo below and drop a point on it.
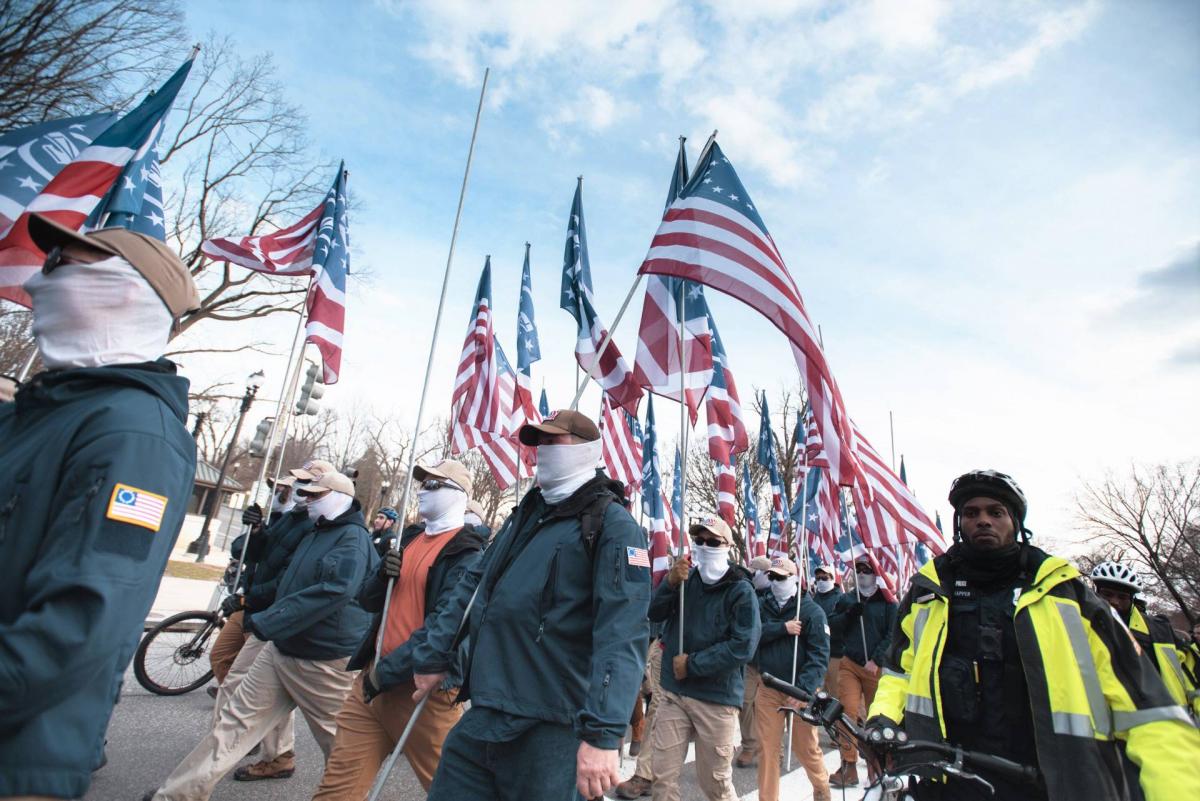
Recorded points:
(171, 658)
(895, 783)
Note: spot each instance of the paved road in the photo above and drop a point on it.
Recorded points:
(149, 734)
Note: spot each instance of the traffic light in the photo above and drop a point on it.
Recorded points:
(258, 445)
(311, 392)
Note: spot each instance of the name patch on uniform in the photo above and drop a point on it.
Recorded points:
(136, 506)
(638, 557)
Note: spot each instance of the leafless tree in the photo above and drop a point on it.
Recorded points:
(1151, 518)
(60, 58)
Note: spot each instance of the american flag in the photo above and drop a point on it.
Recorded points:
(654, 504)
(506, 457)
(612, 374)
(528, 350)
(659, 364)
(754, 545)
(889, 512)
(726, 429)
(713, 234)
(31, 157)
(72, 195)
(767, 457)
(821, 515)
(621, 445)
(678, 520)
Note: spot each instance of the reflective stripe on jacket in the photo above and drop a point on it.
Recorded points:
(1167, 657)
(1087, 686)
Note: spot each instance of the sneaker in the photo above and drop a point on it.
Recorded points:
(745, 759)
(845, 776)
(637, 787)
(281, 767)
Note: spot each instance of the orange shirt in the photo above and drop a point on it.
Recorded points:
(406, 611)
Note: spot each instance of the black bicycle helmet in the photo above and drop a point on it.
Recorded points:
(989, 484)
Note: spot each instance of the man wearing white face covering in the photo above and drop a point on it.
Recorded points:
(558, 634)
(759, 566)
(426, 567)
(827, 594)
(96, 469)
(310, 630)
(703, 685)
(789, 631)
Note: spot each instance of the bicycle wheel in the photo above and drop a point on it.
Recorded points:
(172, 658)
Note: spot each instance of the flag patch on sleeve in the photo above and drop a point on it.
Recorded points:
(638, 557)
(136, 506)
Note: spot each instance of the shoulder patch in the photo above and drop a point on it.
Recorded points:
(638, 557)
(137, 507)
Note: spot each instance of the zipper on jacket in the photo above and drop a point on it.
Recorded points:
(87, 498)
(548, 593)
(604, 686)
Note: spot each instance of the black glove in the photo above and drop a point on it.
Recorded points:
(252, 515)
(231, 604)
(854, 610)
(390, 566)
(370, 685)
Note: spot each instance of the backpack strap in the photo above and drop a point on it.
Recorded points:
(591, 521)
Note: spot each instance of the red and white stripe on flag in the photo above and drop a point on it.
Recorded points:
(621, 451)
(288, 251)
(726, 492)
(612, 374)
(891, 515)
(657, 363)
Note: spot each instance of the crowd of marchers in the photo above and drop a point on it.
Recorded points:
(517, 664)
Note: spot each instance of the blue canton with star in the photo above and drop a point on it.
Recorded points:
(716, 180)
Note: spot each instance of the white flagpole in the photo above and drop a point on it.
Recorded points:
(437, 324)
(799, 595)
(683, 442)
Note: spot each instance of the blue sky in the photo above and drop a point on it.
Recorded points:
(992, 209)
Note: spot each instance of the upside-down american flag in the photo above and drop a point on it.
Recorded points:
(612, 373)
(674, 351)
(713, 234)
(726, 429)
(317, 245)
(621, 445)
(74, 193)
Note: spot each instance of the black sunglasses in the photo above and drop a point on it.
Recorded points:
(864, 570)
(777, 577)
(711, 543)
(431, 484)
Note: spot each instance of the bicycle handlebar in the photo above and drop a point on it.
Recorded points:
(1012, 771)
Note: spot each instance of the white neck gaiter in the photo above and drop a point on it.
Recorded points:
(867, 585)
(330, 506)
(824, 585)
(91, 315)
(441, 509)
(562, 469)
(783, 590)
(283, 506)
(713, 563)
(760, 580)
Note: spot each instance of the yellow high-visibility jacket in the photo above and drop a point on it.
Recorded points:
(1088, 685)
(1168, 656)
(1191, 666)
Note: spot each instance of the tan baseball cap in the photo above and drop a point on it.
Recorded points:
(156, 262)
(313, 469)
(284, 481)
(332, 480)
(760, 563)
(561, 422)
(713, 525)
(473, 506)
(782, 566)
(447, 470)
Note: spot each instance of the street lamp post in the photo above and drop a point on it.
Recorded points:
(253, 382)
(383, 493)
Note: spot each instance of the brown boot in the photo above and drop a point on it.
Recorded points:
(281, 767)
(821, 794)
(845, 776)
(636, 787)
(745, 759)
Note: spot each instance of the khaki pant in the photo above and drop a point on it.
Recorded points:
(275, 685)
(856, 691)
(225, 649)
(746, 718)
(366, 734)
(771, 724)
(653, 685)
(715, 728)
(831, 676)
(278, 740)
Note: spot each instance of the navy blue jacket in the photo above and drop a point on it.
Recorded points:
(557, 634)
(316, 614)
(721, 631)
(279, 541)
(776, 646)
(455, 558)
(81, 453)
(828, 602)
(877, 615)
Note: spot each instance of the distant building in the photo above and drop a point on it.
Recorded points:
(204, 489)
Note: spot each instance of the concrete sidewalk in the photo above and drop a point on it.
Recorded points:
(180, 595)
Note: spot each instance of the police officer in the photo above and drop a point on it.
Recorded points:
(1004, 648)
(96, 469)
(827, 594)
(795, 638)
(702, 684)
(383, 530)
(558, 634)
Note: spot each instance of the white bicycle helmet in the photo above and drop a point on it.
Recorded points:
(1117, 573)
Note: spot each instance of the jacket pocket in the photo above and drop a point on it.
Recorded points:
(546, 603)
